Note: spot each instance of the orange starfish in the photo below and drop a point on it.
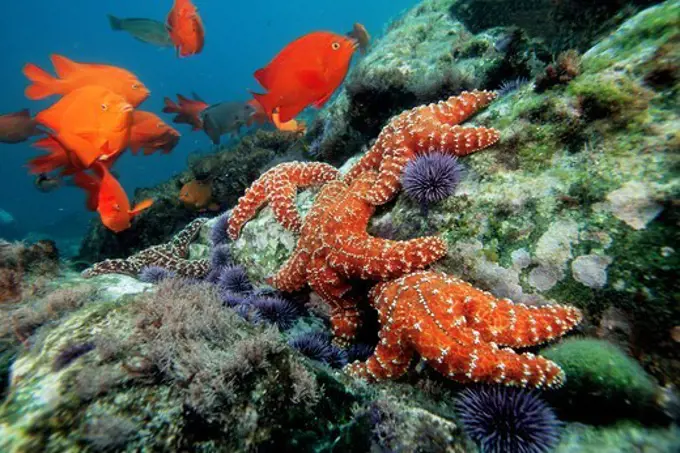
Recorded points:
(334, 247)
(457, 328)
(424, 129)
(278, 186)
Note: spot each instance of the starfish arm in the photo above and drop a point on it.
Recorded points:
(389, 181)
(183, 239)
(463, 357)
(461, 141)
(114, 266)
(247, 206)
(293, 275)
(189, 268)
(282, 194)
(389, 361)
(516, 325)
(457, 109)
(372, 158)
(382, 259)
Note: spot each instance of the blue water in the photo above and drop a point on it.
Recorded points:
(240, 37)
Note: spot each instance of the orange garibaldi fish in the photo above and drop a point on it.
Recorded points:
(72, 75)
(91, 122)
(198, 195)
(107, 197)
(185, 28)
(188, 111)
(307, 71)
(149, 133)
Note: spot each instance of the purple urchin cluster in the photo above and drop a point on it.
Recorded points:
(429, 178)
(317, 346)
(508, 420)
(154, 274)
(235, 280)
(276, 310)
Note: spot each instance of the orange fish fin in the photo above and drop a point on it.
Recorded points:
(183, 100)
(91, 186)
(265, 102)
(263, 76)
(86, 152)
(63, 66)
(43, 82)
(139, 207)
(320, 102)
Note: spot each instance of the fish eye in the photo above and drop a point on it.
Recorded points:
(159, 125)
(335, 46)
(116, 207)
(135, 86)
(105, 107)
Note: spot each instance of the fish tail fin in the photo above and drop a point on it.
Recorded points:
(169, 106)
(90, 185)
(55, 159)
(115, 23)
(42, 82)
(265, 102)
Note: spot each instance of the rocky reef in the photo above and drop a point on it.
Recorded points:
(577, 203)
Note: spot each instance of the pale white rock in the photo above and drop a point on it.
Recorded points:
(591, 270)
(632, 204)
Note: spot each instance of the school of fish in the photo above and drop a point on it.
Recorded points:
(97, 117)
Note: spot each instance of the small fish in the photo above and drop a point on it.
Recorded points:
(360, 33)
(257, 114)
(46, 183)
(18, 127)
(149, 133)
(72, 76)
(187, 111)
(91, 122)
(197, 195)
(145, 30)
(107, 197)
(186, 28)
(225, 118)
(307, 71)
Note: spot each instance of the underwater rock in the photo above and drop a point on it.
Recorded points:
(632, 204)
(591, 270)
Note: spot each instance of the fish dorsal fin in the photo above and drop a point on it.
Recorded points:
(197, 97)
(263, 76)
(63, 66)
(139, 207)
(311, 79)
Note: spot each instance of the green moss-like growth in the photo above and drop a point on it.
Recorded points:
(603, 383)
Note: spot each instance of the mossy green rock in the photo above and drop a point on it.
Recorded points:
(602, 381)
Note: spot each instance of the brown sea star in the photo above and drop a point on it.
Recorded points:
(457, 328)
(424, 129)
(334, 247)
(278, 186)
(171, 256)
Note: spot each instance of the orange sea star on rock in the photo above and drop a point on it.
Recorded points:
(457, 328)
(424, 129)
(334, 247)
(278, 186)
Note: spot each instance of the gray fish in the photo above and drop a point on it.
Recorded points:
(46, 183)
(146, 30)
(223, 118)
(18, 127)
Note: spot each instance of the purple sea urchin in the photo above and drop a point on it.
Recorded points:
(317, 346)
(508, 420)
(155, 274)
(234, 279)
(221, 257)
(276, 310)
(218, 233)
(430, 178)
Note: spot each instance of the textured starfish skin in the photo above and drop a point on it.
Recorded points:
(278, 187)
(170, 256)
(457, 329)
(334, 247)
(424, 129)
